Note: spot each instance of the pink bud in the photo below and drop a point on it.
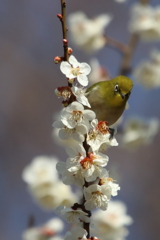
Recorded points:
(57, 59)
(70, 50)
(59, 16)
(65, 41)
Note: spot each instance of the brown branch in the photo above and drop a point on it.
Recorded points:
(31, 221)
(62, 18)
(125, 68)
(144, 1)
(115, 44)
(86, 226)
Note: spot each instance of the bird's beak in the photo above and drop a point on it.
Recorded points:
(125, 95)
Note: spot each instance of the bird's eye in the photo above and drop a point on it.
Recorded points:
(116, 88)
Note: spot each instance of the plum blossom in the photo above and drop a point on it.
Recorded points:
(90, 167)
(80, 95)
(112, 223)
(87, 34)
(145, 21)
(40, 171)
(76, 154)
(99, 134)
(65, 133)
(72, 215)
(42, 180)
(110, 182)
(97, 196)
(50, 230)
(138, 132)
(74, 69)
(75, 114)
(147, 73)
(76, 233)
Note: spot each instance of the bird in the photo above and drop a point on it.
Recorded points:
(108, 98)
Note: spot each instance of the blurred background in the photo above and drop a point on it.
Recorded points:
(30, 37)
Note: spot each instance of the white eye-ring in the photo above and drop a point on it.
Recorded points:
(116, 88)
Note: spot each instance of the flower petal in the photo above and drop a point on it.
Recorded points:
(65, 67)
(85, 68)
(73, 61)
(82, 79)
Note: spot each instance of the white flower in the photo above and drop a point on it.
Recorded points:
(99, 134)
(145, 21)
(147, 73)
(76, 233)
(72, 215)
(48, 230)
(115, 216)
(74, 69)
(42, 179)
(155, 56)
(97, 196)
(90, 167)
(76, 133)
(76, 154)
(63, 143)
(114, 187)
(79, 93)
(138, 132)
(47, 197)
(75, 114)
(111, 223)
(87, 34)
(41, 170)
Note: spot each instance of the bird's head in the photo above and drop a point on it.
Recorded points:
(122, 87)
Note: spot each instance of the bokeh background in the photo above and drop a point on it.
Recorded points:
(30, 38)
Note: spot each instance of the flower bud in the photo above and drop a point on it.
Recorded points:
(57, 59)
(65, 103)
(65, 41)
(71, 80)
(59, 16)
(70, 50)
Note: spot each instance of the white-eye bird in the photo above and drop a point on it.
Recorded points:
(108, 98)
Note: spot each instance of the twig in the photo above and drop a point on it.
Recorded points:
(31, 221)
(144, 1)
(62, 18)
(125, 68)
(115, 44)
(86, 226)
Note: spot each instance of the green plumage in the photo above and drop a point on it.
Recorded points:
(108, 98)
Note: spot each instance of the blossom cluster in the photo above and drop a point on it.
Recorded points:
(43, 181)
(139, 132)
(87, 34)
(52, 230)
(147, 73)
(112, 223)
(86, 162)
(145, 21)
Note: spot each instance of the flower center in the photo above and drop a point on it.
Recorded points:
(92, 134)
(77, 116)
(102, 126)
(86, 163)
(75, 71)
